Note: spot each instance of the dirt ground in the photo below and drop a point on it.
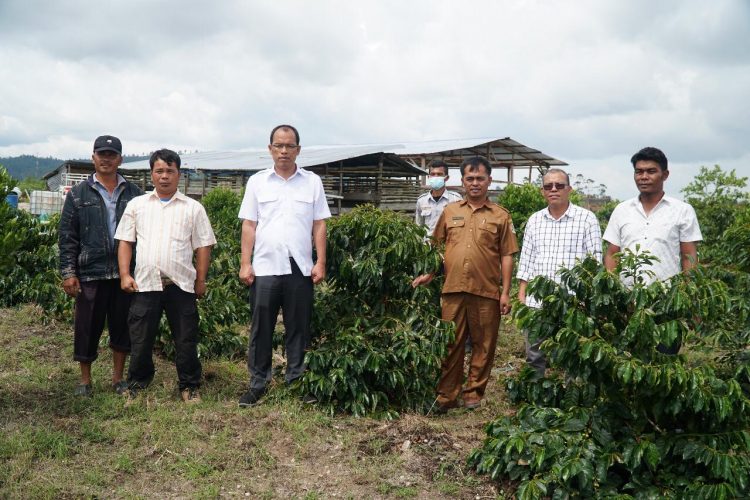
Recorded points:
(53, 445)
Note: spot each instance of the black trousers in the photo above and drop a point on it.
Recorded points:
(143, 320)
(294, 294)
(100, 301)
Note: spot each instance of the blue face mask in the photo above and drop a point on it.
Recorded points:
(436, 183)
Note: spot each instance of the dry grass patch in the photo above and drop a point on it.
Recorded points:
(53, 445)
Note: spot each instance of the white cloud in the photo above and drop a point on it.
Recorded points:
(588, 82)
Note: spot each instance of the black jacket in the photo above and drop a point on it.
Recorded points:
(85, 251)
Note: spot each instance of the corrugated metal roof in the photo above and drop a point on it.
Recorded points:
(260, 158)
(506, 152)
(502, 151)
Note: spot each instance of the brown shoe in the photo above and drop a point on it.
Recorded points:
(442, 409)
(190, 395)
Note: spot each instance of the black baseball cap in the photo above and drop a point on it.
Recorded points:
(108, 143)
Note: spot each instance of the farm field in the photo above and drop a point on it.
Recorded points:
(53, 445)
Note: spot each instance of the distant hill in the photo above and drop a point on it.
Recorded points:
(21, 167)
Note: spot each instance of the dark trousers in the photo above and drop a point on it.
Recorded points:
(143, 320)
(100, 301)
(294, 294)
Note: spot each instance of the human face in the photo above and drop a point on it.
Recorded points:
(556, 198)
(284, 149)
(649, 177)
(165, 177)
(439, 172)
(106, 162)
(476, 183)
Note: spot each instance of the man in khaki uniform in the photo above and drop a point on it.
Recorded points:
(479, 245)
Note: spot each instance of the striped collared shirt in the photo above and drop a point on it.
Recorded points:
(166, 236)
(550, 244)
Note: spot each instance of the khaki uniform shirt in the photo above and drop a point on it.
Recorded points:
(474, 242)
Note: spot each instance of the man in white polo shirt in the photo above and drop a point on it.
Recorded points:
(665, 226)
(169, 229)
(284, 211)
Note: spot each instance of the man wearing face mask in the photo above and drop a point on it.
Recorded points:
(431, 204)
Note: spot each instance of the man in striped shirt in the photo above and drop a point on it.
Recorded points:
(554, 238)
(169, 229)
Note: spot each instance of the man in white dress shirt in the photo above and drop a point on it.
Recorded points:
(169, 229)
(283, 211)
(554, 238)
(665, 226)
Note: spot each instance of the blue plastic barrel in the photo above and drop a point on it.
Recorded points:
(12, 200)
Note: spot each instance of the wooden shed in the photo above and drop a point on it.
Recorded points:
(388, 175)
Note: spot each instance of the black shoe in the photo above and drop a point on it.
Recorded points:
(251, 397)
(83, 390)
(120, 387)
(309, 399)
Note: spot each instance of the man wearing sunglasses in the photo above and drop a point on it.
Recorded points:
(283, 215)
(554, 238)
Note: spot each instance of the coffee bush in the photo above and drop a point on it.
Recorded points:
(626, 421)
(379, 342)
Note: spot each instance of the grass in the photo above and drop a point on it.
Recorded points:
(54, 445)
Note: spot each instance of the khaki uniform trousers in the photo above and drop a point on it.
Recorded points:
(479, 318)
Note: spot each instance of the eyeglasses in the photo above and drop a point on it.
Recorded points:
(281, 147)
(557, 185)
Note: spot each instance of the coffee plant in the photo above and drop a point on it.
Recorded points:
(379, 342)
(28, 258)
(621, 419)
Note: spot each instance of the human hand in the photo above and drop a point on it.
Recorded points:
(247, 274)
(505, 303)
(128, 284)
(424, 279)
(200, 288)
(318, 273)
(72, 286)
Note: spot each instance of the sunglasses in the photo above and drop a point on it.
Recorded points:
(557, 185)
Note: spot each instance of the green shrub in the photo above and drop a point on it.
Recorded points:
(627, 421)
(379, 342)
(522, 201)
(29, 258)
(716, 196)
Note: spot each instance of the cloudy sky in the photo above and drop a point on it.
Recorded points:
(586, 81)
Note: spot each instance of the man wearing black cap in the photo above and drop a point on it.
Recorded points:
(88, 261)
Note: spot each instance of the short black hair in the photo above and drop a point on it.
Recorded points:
(284, 127)
(439, 164)
(650, 154)
(557, 171)
(474, 163)
(167, 156)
